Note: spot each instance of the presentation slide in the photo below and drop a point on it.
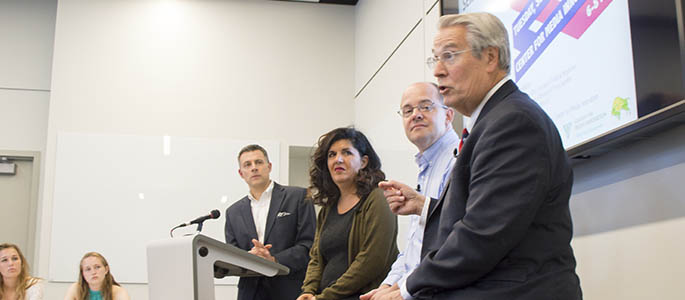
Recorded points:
(574, 57)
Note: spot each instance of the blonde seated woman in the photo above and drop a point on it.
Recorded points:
(95, 281)
(15, 281)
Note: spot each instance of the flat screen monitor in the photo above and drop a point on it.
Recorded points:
(603, 70)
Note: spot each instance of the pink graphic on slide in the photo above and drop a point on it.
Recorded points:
(579, 23)
(519, 5)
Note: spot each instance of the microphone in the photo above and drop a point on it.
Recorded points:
(214, 214)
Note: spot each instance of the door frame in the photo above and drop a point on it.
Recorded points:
(35, 158)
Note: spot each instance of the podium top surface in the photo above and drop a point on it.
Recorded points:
(228, 259)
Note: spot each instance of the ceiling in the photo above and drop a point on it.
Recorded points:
(344, 2)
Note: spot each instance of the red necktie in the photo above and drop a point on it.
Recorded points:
(464, 135)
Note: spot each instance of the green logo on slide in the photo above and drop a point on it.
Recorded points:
(619, 105)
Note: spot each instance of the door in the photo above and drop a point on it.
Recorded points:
(18, 204)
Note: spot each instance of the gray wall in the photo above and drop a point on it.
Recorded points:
(634, 185)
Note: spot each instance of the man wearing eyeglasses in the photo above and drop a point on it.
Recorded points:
(428, 125)
(502, 229)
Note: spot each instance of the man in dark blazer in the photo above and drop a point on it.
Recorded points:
(502, 229)
(274, 222)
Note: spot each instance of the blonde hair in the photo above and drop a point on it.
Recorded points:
(25, 280)
(106, 289)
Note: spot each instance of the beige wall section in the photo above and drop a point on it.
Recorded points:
(26, 35)
(239, 69)
(24, 120)
(380, 25)
(641, 262)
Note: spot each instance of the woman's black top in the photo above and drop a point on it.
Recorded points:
(333, 245)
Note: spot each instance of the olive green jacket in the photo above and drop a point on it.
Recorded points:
(372, 248)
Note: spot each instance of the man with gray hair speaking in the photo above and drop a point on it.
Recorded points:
(502, 229)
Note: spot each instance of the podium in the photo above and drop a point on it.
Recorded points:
(184, 268)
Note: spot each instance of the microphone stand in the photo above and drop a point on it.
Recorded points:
(199, 221)
(199, 226)
(198, 230)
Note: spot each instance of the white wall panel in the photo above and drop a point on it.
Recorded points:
(380, 25)
(208, 68)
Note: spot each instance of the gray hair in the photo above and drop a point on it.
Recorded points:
(483, 30)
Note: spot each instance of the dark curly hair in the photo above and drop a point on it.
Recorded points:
(323, 190)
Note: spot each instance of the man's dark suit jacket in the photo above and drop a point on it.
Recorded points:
(290, 226)
(502, 229)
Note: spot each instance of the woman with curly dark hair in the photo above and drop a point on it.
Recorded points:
(355, 242)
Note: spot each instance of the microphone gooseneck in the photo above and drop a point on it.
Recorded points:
(214, 214)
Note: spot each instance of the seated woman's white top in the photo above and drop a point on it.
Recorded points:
(35, 292)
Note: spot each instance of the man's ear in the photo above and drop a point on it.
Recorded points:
(449, 115)
(491, 56)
